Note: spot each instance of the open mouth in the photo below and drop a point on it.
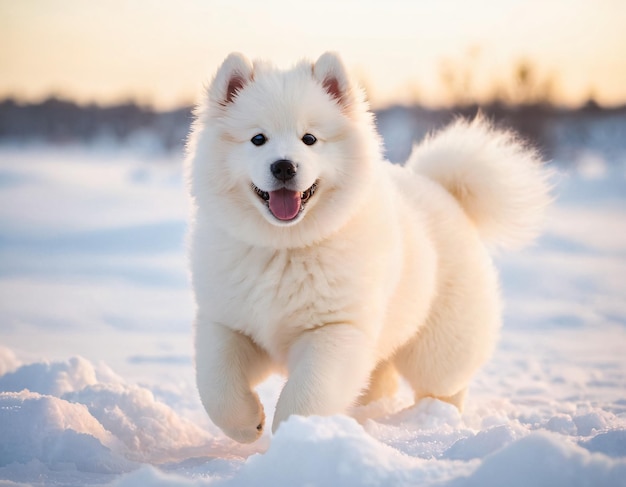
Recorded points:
(286, 204)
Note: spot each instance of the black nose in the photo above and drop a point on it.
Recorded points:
(283, 169)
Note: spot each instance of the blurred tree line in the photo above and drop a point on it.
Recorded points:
(63, 122)
(556, 132)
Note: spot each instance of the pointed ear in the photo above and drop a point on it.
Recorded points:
(331, 73)
(234, 73)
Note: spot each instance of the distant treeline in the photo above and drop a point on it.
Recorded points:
(555, 131)
(61, 121)
(64, 122)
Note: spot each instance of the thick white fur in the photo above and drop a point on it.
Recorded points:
(384, 272)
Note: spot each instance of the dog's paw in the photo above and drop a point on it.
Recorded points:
(246, 423)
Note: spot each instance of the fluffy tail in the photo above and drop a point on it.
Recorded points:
(501, 183)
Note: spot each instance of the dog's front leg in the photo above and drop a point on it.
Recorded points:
(328, 368)
(228, 365)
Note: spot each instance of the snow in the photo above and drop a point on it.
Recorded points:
(96, 373)
(55, 432)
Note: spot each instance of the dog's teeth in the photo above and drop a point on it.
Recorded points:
(264, 195)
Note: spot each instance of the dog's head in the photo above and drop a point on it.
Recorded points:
(282, 158)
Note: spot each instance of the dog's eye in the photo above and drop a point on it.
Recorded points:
(309, 139)
(258, 139)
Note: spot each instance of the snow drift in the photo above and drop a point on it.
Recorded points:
(72, 415)
(62, 418)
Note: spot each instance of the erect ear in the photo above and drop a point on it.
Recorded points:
(234, 73)
(331, 73)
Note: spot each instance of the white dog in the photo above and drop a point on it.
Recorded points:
(314, 257)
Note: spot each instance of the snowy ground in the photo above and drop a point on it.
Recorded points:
(96, 378)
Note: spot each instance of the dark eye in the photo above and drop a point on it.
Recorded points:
(309, 139)
(258, 139)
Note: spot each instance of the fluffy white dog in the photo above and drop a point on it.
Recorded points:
(314, 257)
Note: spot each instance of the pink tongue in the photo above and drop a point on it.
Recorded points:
(284, 204)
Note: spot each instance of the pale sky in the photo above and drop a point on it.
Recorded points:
(161, 52)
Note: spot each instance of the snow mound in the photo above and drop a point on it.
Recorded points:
(332, 450)
(57, 433)
(55, 378)
(611, 443)
(541, 459)
(150, 430)
(72, 416)
(429, 414)
(484, 442)
(342, 450)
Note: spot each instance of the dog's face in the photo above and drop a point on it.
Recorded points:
(282, 155)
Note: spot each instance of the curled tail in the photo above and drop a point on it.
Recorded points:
(501, 183)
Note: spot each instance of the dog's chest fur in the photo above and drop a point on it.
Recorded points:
(274, 295)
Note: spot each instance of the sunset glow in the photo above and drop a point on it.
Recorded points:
(403, 51)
